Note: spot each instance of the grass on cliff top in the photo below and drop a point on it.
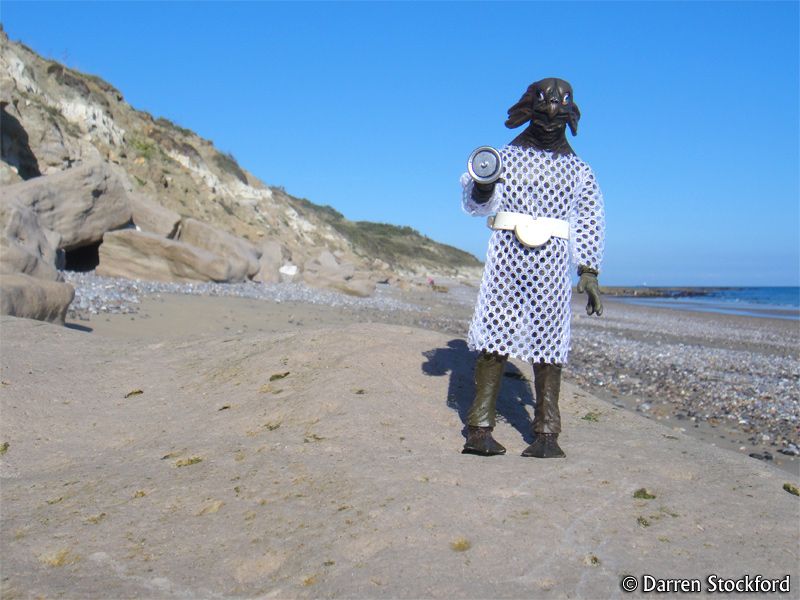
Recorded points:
(227, 162)
(164, 122)
(396, 245)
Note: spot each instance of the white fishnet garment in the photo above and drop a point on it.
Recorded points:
(523, 307)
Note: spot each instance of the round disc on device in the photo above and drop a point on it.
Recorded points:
(484, 164)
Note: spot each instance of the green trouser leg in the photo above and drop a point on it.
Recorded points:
(481, 417)
(547, 382)
(546, 417)
(488, 376)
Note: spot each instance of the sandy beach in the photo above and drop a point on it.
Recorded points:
(729, 380)
(264, 446)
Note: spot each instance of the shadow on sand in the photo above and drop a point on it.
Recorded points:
(457, 361)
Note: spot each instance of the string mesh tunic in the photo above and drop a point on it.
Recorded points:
(523, 307)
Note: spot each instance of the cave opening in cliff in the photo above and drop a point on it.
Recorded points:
(85, 258)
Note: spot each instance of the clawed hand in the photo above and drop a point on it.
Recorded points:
(588, 283)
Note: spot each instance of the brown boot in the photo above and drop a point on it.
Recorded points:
(481, 417)
(480, 441)
(546, 416)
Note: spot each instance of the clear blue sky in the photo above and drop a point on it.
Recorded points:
(690, 110)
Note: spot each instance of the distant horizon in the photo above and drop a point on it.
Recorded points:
(339, 104)
(708, 287)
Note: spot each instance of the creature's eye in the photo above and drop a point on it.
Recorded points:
(540, 95)
(565, 101)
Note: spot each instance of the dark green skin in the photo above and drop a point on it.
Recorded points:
(588, 283)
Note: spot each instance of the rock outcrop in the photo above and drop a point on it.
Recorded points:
(149, 215)
(325, 270)
(142, 255)
(30, 284)
(15, 145)
(270, 263)
(79, 166)
(25, 246)
(242, 255)
(33, 298)
(80, 204)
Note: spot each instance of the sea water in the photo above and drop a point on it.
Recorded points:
(766, 302)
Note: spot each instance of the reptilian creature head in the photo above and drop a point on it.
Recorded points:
(549, 106)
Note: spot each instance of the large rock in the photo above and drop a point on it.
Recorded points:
(81, 203)
(32, 298)
(272, 253)
(149, 215)
(359, 285)
(142, 255)
(326, 266)
(30, 285)
(242, 255)
(25, 246)
(326, 271)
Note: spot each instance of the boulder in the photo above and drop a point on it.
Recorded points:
(356, 286)
(270, 262)
(149, 215)
(141, 255)
(242, 255)
(81, 203)
(25, 246)
(327, 272)
(326, 266)
(15, 259)
(325, 261)
(32, 298)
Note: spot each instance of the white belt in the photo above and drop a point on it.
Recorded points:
(530, 231)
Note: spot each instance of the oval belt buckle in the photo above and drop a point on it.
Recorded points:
(532, 233)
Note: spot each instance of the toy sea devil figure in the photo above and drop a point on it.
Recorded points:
(547, 215)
